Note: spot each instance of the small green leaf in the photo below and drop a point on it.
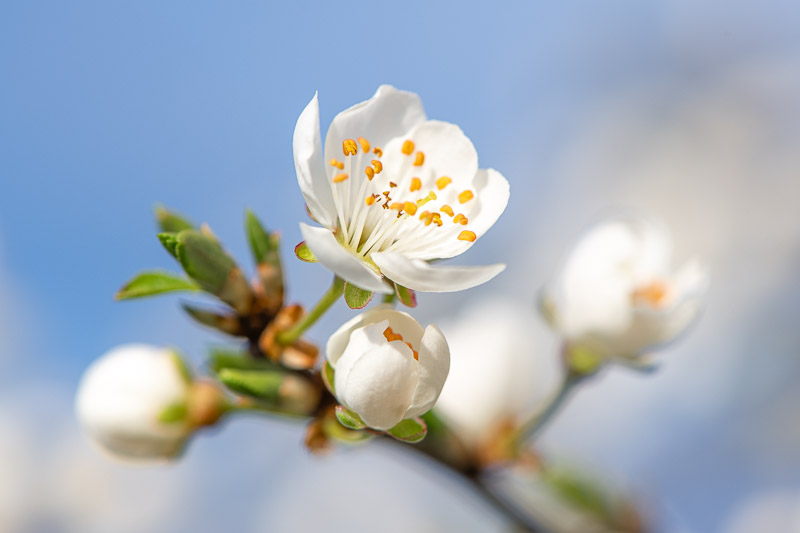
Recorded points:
(407, 296)
(154, 282)
(348, 418)
(328, 375)
(263, 245)
(170, 242)
(237, 360)
(183, 368)
(176, 412)
(303, 253)
(356, 297)
(170, 221)
(409, 430)
(222, 321)
(262, 384)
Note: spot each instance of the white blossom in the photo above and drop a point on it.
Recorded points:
(394, 191)
(123, 396)
(387, 367)
(617, 294)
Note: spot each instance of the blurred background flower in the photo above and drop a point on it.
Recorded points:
(684, 110)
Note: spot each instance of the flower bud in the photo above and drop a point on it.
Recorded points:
(136, 401)
(387, 367)
(617, 295)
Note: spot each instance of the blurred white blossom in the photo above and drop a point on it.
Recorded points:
(394, 191)
(388, 368)
(617, 294)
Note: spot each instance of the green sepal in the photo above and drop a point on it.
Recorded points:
(328, 377)
(220, 358)
(348, 418)
(177, 412)
(204, 260)
(183, 368)
(409, 430)
(154, 282)
(303, 253)
(335, 430)
(222, 321)
(261, 384)
(170, 243)
(356, 297)
(171, 222)
(406, 296)
(582, 361)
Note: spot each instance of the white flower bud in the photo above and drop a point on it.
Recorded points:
(617, 295)
(388, 368)
(125, 399)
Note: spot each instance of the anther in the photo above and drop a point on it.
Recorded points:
(370, 173)
(651, 294)
(397, 205)
(467, 235)
(340, 177)
(437, 219)
(377, 151)
(364, 144)
(370, 199)
(410, 208)
(443, 182)
(426, 217)
(349, 147)
(392, 184)
(336, 163)
(391, 335)
(419, 159)
(447, 210)
(377, 165)
(460, 219)
(416, 184)
(408, 147)
(465, 196)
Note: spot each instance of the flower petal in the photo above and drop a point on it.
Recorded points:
(310, 167)
(378, 378)
(388, 114)
(420, 276)
(434, 365)
(337, 259)
(401, 323)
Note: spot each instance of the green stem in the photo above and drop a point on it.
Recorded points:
(324, 303)
(535, 425)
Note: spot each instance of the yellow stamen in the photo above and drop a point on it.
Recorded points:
(408, 147)
(416, 184)
(392, 184)
(364, 144)
(652, 294)
(437, 219)
(410, 208)
(447, 210)
(443, 182)
(377, 151)
(336, 163)
(467, 235)
(349, 147)
(370, 199)
(465, 196)
(426, 217)
(460, 219)
(397, 205)
(370, 173)
(392, 336)
(423, 201)
(340, 177)
(419, 160)
(377, 165)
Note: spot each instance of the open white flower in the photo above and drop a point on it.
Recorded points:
(124, 395)
(394, 191)
(387, 367)
(617, 295)
(502, 372)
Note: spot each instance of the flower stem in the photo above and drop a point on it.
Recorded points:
(324, 303)
(537, 423)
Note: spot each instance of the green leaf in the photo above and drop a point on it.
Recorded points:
(264, 245)
(356, 297)
(303, 253)
(183, 368)
(237, 360)
(348, 418)
(407, 296)
(176, 412)
(262, 384)
(328, 375)
(204, 260)
(224, 322)
(170, 242)
(170, 221)
(151, 283)
(409, 430)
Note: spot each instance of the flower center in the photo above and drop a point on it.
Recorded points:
(652, 294)
(392, 336)
(395, 203)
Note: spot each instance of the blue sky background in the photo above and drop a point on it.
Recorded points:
(688, 111)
